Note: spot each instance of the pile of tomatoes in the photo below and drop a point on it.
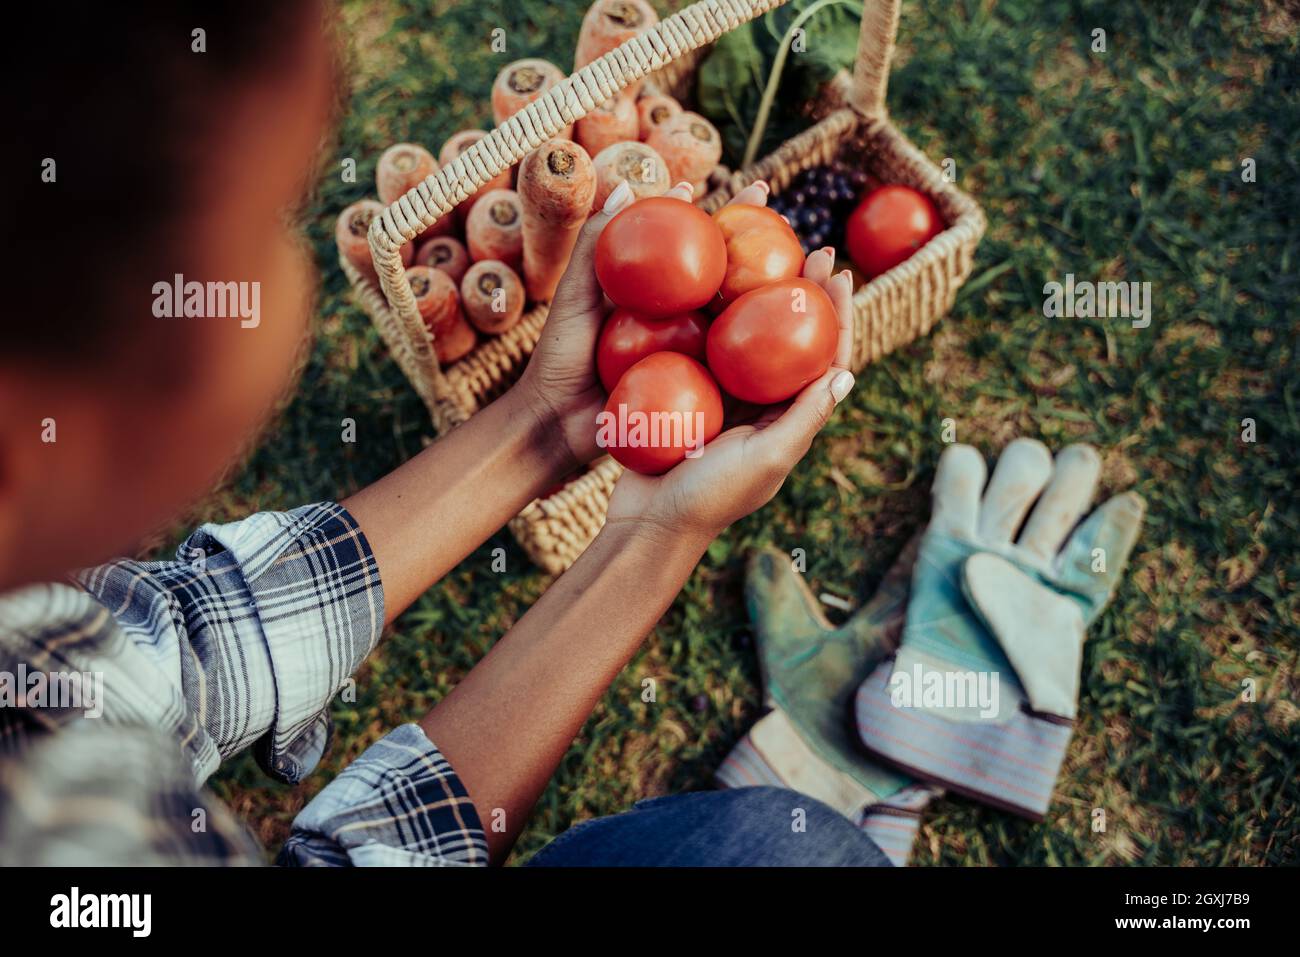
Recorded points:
(668, 266)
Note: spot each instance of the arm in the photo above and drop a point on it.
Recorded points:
(508, 723)
(506, 726)
(423, 518)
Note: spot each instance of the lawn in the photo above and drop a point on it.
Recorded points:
(1122, 165)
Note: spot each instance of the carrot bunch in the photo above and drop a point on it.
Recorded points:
(475, 269)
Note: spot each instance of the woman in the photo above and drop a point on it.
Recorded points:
(173, 141)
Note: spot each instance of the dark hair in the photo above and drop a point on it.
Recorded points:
(129, 112)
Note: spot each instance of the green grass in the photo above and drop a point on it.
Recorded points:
(1122, 165)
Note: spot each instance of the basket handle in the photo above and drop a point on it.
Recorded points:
(564, 103)
(875, 50)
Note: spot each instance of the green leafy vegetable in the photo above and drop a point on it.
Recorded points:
(733, 76)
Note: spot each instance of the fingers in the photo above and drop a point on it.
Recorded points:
(1022, 470)
(578, 292)
(886, 612)
(787, 438)
(683, 191)
(956, 494)
(817, 267)
(840, 289)
(1066, 498)
(755, 194)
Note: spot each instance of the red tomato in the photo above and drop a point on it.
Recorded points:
(888, 226)
(626, 339)
(761, 248)
(770, 343)
(664, 407)
(661, 256)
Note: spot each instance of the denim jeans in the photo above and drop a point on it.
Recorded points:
(740, 827)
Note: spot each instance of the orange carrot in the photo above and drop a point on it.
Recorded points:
(493, 296)
(519, 84)
(439, 304)
(612, 122)
(556, 184)
(608, 24)
(402, 167)
(633, 163)
(494, 229)
(350, 235)
(653, 110)
(446, 253)
(458, 144)
(690, 145)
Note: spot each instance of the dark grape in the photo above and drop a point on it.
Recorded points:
(818, 200)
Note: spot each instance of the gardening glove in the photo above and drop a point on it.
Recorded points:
(810, 669)
(1000, 617)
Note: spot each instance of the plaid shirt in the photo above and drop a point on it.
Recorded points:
(241, 641)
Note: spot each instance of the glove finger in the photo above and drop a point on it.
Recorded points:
(1063, 502)
(1040, 630)
(788, 621)
(886, 613)
(1022, 470)
(956, 495)
(1094, 558)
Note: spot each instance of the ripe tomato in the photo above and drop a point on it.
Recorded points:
(626, 339)
(664, 407)
(661, 256)
(761, 248)
(888, 226)
(770, 343)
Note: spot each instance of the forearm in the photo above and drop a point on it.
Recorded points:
(424, 517)
(506, 726)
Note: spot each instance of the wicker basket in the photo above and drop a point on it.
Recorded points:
(904, 303)
(890, 311)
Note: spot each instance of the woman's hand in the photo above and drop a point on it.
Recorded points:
(739, 471)
(560, 382)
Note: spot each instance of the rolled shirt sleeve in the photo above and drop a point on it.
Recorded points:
(259, 622)
(242, 640)
(399, 804)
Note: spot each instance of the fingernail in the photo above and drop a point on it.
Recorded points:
(618, 199)
(689, 187)
(841, 385)
(762, 184)
(848, 277)
(829, 251)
